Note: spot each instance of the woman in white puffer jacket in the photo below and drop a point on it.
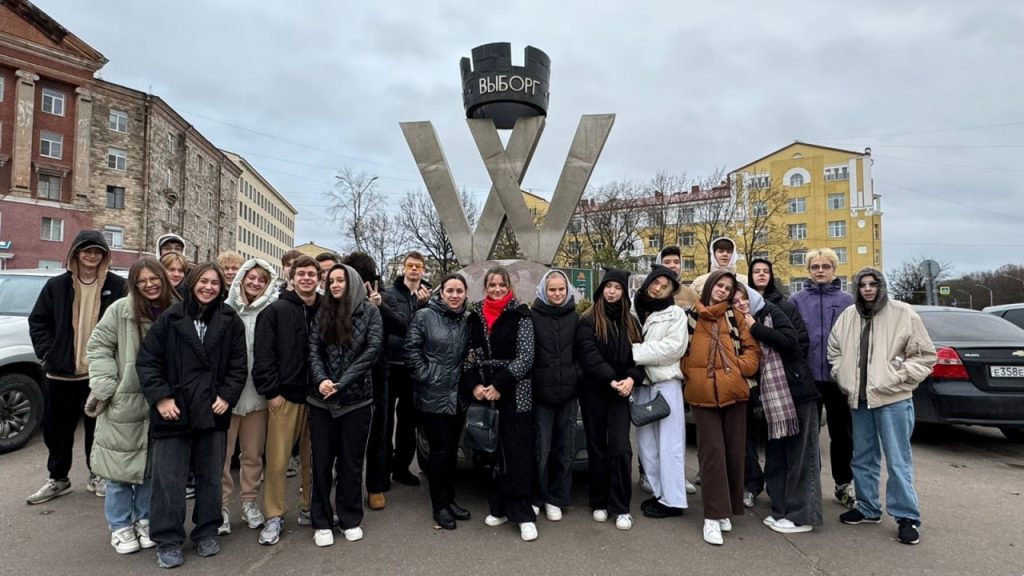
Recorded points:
(252, 290)
(662, 444)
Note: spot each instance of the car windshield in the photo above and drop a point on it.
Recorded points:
(18, 293)
(965, 326)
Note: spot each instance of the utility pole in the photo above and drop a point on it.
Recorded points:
(970, 298)
(1013, 278)
(990, 299)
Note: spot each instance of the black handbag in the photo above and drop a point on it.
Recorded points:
(481, 432)
(648, 412)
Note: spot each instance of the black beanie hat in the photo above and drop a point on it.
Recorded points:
(612, 275)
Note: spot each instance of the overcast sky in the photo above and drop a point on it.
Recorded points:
(302, 88)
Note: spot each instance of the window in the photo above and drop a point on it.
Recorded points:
(117, 159)
(797, 257)
(118, 120)
(654, 243)
(759, 209)
(53, 102)
(170, 178)
(114, 235)
(2, 84)
(836, 201)
(797, 205)
(761, 237)
(52, 229)
(796, 180)
(598, 244)
(798, 231)
(169, 215)
(837, 173)
(837, 229)
(115, 197)
(688, 264)
(50, 264)
(758, 182)
(49, 187)
(841, 256)
(51, 144)
(796, 285)
(877, 232)
(762, 254)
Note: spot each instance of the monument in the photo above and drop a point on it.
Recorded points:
(500, 96)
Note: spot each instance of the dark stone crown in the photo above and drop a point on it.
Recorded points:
(493, 88)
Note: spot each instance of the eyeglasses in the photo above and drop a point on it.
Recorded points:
(142, 283)
(821, 267)
(868, 285)
(414, 266)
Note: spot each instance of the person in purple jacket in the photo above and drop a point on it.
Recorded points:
(820, 303)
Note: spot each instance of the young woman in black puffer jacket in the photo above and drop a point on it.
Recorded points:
(344, 344)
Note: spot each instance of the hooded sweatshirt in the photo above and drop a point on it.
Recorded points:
(773, 293)
(819, 306)
(880, 351)
(555, 372)
(698, 283)
(685, 296)
(168, 238)
(251, 400)
(665, 335)
(67, 310)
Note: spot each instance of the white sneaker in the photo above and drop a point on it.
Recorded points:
(713, 532)
(324, 537)
(690, 488)
(786, 526)
(495, 520)
(748, 499)
(769, 521)
(142, 533)
(528, 531)
(97, 485)
(354, 534)
(623, 521)
(536, 509)
(600, 515)
(225, 525)
(252, 515)
(124, 540)
(725, 525)
(645, 484)
(552, 512)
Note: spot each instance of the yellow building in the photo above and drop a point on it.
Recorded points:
(831, 203)
(266, 221)
(313, 250)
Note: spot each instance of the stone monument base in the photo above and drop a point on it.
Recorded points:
(525, 277)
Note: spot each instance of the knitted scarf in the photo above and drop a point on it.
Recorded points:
(778, 405)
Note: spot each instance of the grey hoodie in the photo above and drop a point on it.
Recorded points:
(171, 237)
(572, 296)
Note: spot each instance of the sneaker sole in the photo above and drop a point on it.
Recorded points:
(32, 502)
(794, 530)
(864, 521)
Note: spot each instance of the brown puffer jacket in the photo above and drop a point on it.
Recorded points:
(725, 382)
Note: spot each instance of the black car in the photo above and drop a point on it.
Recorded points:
(979, 377)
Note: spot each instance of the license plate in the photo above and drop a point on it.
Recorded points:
(1006, 371)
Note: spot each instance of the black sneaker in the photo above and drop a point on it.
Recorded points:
(405, 477)
(907, 532)
(651, 508)
(459, 512)
(169, 557)
(855, 516)
(444, 519)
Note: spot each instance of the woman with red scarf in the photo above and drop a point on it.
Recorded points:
(498, 370)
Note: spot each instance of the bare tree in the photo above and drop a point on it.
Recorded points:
(351, 202)
(907, 283)
(386, 240)
(665, 216)
(711, 212)
(761, 229)
(609, 225)
(419, 219)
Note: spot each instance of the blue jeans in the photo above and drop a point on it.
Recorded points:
(125, 504)
(885, 429)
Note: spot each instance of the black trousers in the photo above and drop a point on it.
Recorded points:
(757, 438)
(840, 430)
(555, 428)
(441, 431)
(793, 472)
(170, 462)
(401, 419)
(606, 422)
(339, 449)
(65, 406)
(377, 478)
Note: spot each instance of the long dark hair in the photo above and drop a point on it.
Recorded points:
(141, 306)
(603, 326)
(336, 313)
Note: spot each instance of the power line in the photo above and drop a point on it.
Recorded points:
(921, 132)
(952, 147)
(946, 164)
(950, 200)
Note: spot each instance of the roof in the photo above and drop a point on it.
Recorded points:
(73, 46)
(715, 193)
(796, 143)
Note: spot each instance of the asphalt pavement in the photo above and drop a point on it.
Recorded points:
(970, 482)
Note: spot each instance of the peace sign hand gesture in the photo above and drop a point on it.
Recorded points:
(372, 293)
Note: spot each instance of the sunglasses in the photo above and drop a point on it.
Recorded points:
(414, 266)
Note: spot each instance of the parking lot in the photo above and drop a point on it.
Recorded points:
(970, 482)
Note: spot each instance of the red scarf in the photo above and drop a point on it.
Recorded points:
(492, 309)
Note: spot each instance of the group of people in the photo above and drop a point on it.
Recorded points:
(179, 364)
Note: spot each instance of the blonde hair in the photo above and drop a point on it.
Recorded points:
(228, 257)
(826, 253)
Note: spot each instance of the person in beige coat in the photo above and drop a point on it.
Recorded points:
(120, 450)
(880, 351)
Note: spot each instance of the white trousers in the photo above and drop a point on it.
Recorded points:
(662, 445)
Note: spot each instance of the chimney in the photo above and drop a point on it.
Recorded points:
(695, 189)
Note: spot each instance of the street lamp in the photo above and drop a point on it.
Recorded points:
(970, 298)
(989, 292)
(1013, 278)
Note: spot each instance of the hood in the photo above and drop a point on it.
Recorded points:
(571, 295)
(355, 292)
(732, 261)
(613, 274)
(658, 271)
(865, 308)
(235, 292)
(772, 290)
(438, 304)
(290, 296)
(86, 239)
(756, 300)
(836, 285)
(166, 237)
